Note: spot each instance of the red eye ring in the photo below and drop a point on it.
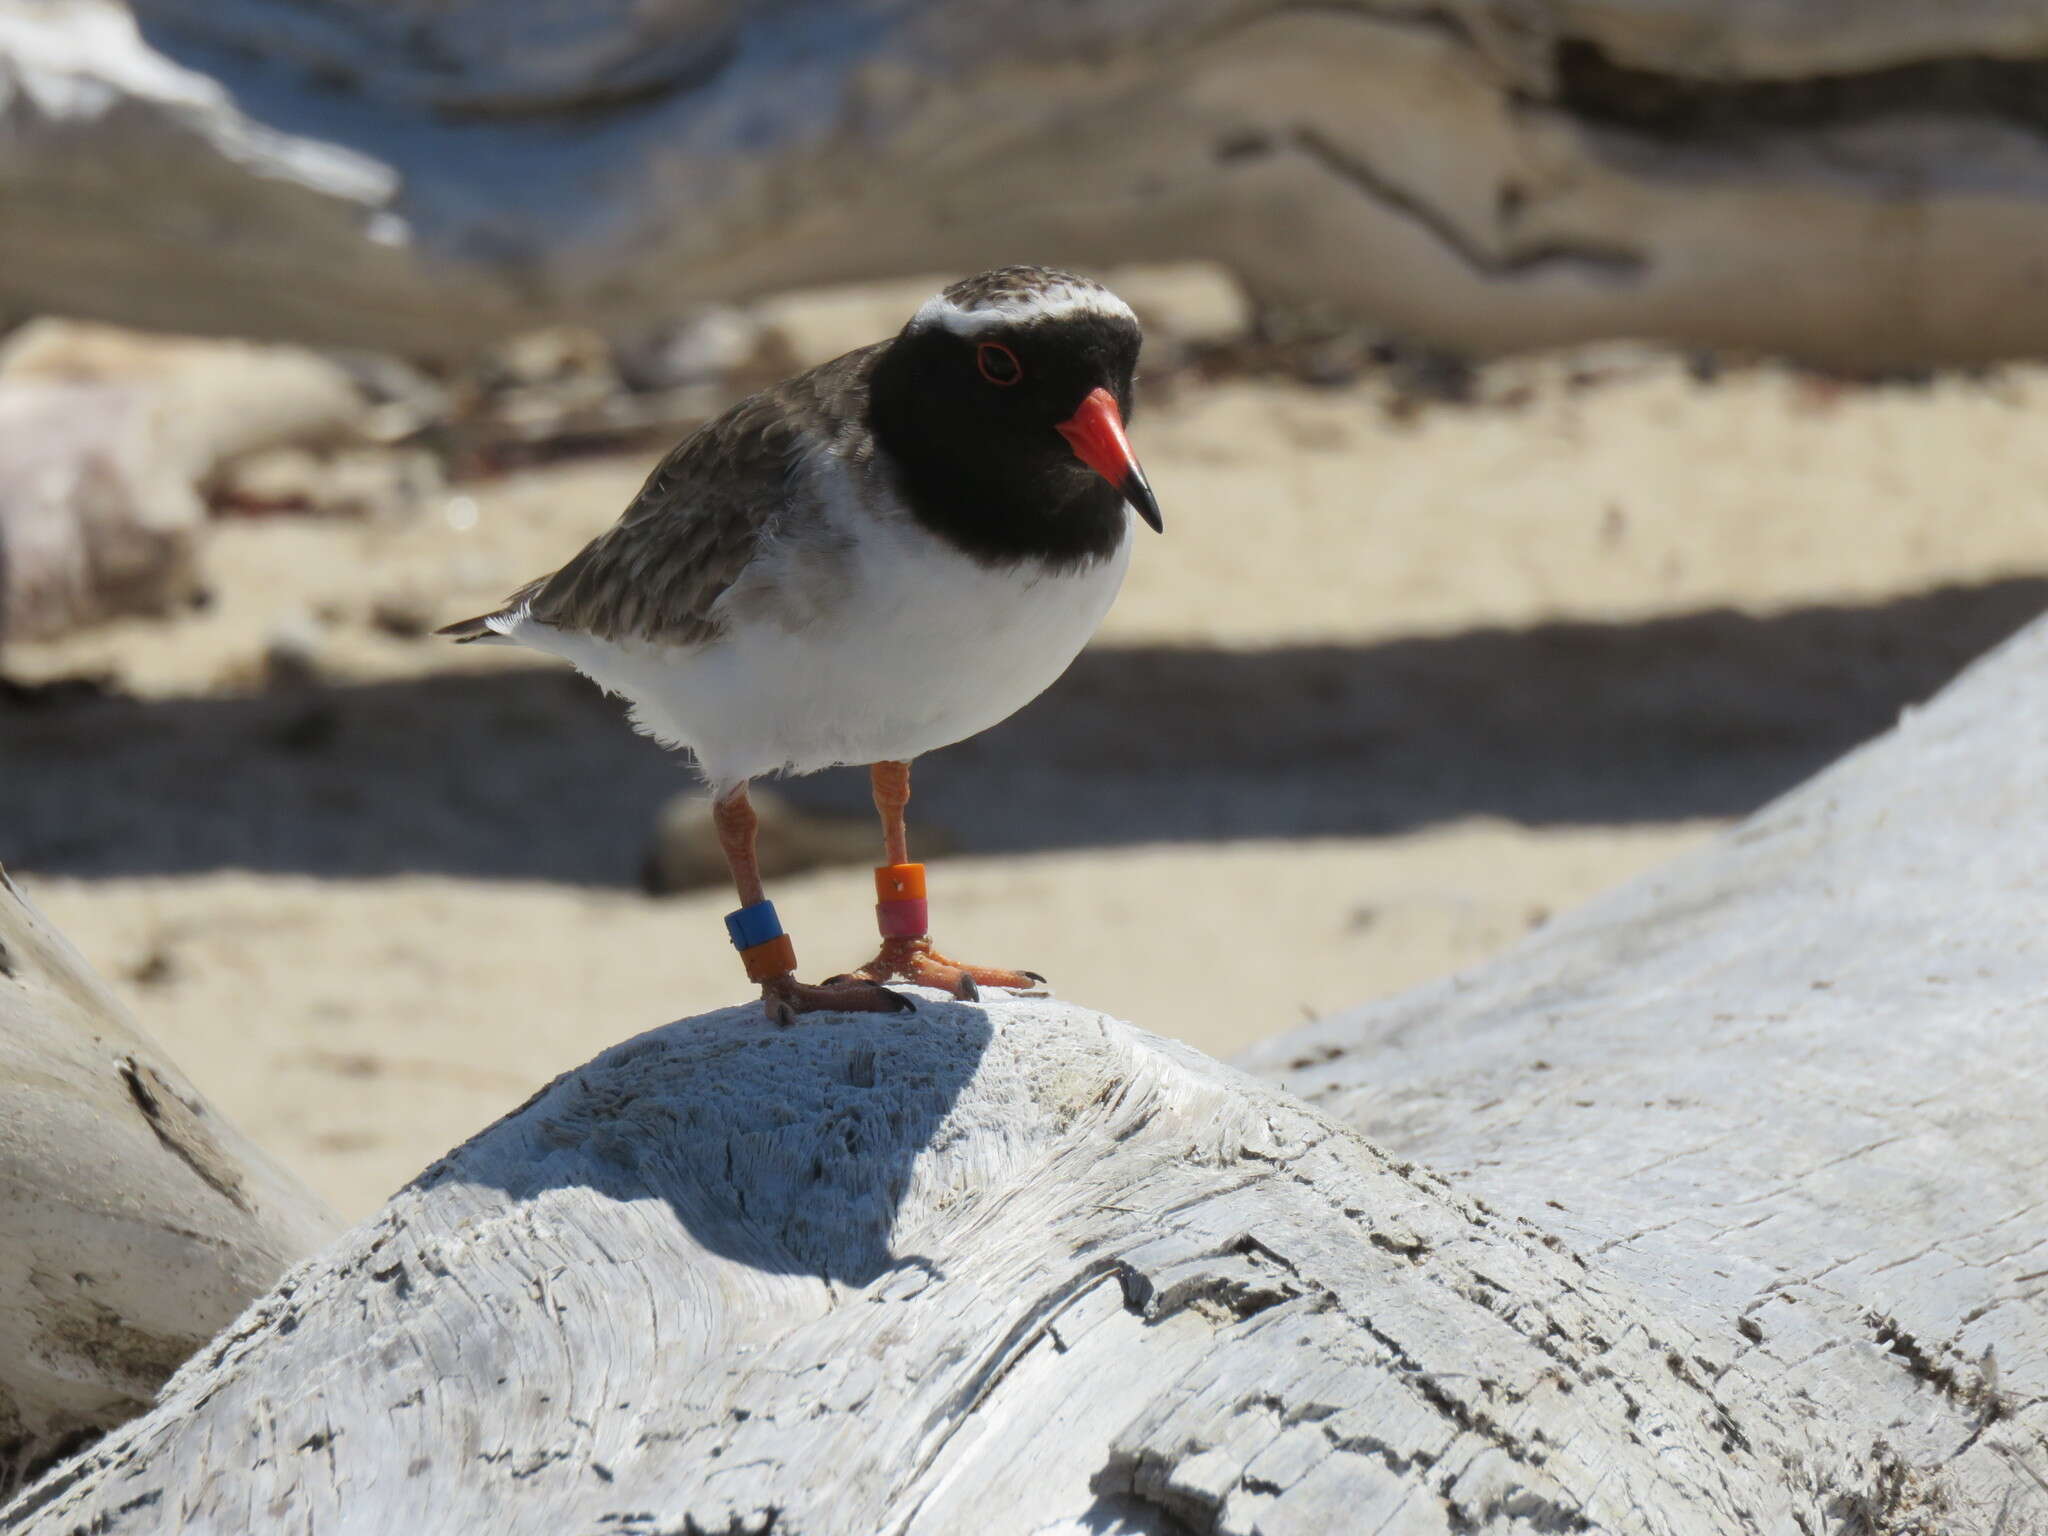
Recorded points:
(1006, 370)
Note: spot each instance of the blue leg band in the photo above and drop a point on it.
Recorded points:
(753, 925)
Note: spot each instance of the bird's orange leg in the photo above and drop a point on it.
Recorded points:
(764, 948)
(907, 952)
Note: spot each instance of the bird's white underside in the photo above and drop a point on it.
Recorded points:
(866, 639)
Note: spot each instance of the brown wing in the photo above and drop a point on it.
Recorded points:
(687, 535)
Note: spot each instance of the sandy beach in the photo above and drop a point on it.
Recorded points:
(1397, 684)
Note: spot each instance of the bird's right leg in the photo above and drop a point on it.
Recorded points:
(900, 910)
(757, 933)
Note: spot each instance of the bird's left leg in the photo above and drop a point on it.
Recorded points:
(900, 910)
(765, 950)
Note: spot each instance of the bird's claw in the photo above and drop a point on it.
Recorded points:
(784, 997)
(915, 961)
(899, 1002)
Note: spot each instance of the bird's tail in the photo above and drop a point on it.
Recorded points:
(478, 629)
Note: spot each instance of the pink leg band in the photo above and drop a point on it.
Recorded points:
(905, 919)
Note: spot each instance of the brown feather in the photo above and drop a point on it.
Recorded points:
(697, 522)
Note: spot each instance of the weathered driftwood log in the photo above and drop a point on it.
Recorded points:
(1864, 183)
(108, 440)
(88, 526)
(1002, 1268)
(1790, 1088)
(134, 1222)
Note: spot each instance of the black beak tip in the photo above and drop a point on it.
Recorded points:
(1138, 493)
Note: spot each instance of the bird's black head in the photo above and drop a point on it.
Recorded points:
(1002, 405)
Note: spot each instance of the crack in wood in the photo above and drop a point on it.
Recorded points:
(1518, 260)
(177, 1126)
(1594, 87)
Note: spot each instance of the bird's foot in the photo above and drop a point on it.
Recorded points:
(915, 961)
(770, 959)
(784, 997)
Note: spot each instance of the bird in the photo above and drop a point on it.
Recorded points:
(875, 558)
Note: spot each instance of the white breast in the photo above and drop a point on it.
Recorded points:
(876, 641)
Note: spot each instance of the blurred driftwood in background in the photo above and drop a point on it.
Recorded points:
(1860, 185)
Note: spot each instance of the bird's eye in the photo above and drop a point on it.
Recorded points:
(998, 364)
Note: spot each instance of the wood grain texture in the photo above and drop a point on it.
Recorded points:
(1792, 1089)
(992, 1268)
(134, 1221)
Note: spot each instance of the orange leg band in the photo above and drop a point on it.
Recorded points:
(899, 882)
(901, 911)
(770, 959)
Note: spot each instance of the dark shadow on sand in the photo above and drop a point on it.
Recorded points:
(534, 775)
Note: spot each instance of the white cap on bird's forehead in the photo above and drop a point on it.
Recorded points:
(1018, 296)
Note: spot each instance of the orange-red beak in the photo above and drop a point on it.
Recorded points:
(1096, 434)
